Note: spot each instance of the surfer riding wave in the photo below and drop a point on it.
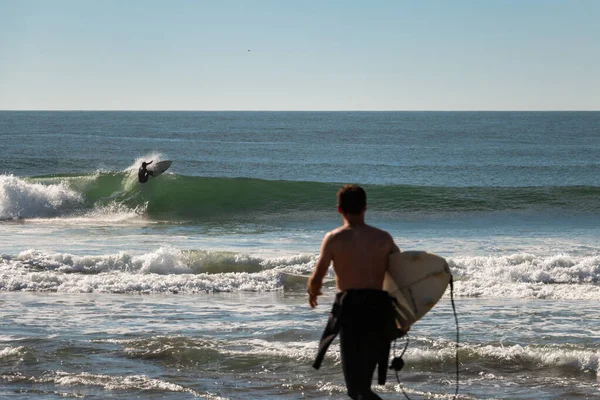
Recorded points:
(143, 173)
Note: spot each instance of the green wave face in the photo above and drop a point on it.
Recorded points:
(180, 197)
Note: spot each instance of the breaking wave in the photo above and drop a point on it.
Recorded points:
(179, 197)
(169, 270)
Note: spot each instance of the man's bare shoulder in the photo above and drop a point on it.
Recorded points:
(336, 232)
(337, 236)
(366, 231)
(383, 238)
(379, 232)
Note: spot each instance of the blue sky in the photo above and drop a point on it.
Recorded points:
(300, 55)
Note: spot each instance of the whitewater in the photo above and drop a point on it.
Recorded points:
(193, 284)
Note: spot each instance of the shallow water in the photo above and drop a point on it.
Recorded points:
(187, 286)
(260, 345)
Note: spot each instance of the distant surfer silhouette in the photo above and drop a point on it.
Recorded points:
(143, 173)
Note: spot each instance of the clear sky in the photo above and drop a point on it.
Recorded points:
(300, 55)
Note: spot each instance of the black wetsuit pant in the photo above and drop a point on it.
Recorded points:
(364, 339)
(364, 320)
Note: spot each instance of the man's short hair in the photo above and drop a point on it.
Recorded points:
(352, 199)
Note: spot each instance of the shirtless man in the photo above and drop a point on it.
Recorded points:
(362, 311)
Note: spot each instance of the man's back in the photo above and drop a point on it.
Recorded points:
(360, 256)
(362, 310)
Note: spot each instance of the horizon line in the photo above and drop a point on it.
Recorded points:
(266, 110)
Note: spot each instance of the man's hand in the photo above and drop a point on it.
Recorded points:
(312, 297)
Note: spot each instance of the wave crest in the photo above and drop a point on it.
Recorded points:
(22, 199)
(213, 199)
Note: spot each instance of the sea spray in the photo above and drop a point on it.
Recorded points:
(22, 199)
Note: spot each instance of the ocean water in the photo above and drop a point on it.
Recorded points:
(186, 286)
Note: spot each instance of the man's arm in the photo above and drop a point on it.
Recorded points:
(316, 279)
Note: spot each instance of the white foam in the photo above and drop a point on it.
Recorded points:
(160, 271)
(59, 200)
(111, 213)
(162, 261)
(528, 268)
(110, 382)
(22, 199)
(300, 351)
(545, 356)
(331, 388)
(167, 269)
(560, 276)
(9, 352)
(216, 261)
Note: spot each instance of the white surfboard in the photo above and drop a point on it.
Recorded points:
(157, 168)
(417, 280)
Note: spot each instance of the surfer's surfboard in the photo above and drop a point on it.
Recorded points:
(157, 168)
(417, 280)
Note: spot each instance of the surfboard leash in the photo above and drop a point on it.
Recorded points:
(398, 363)
(457, 333)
